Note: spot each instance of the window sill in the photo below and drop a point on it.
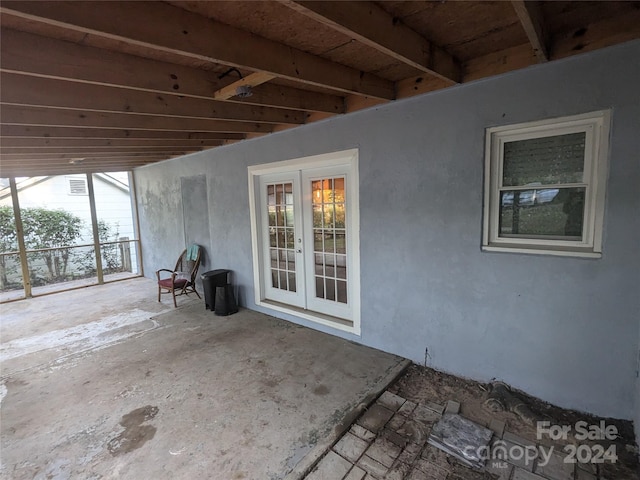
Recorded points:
(328, 320)
(555, 251)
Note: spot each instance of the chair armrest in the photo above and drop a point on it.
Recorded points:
(173, 274)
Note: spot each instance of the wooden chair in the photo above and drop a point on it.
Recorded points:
(183, 276)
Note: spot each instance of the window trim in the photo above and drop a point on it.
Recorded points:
(345, 158)
(596, 125)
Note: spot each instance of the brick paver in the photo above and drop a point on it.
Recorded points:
(383, 451)
(556, 468)
(520, 474)
(375, 418)
(356, 473)
(351, 447)
(373, 467)
(331, 467)
(389, 442)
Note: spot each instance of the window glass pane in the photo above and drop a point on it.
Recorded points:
(341, 242)
(319, 287)
(316, 191)
(317, 240)
(271, 196)
(272, 216)
(280, 216)
(338, 196)
(289, 216)
(317, 216)
(329, 241)
(551, 213)
(543, 161)
(289, 235)
(340, 215)
(330, 289)
(279, 195)
(342, 291)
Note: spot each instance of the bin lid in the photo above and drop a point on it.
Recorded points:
(214, 273)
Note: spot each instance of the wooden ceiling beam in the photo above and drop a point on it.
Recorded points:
(46, 92)
(46, 132)
(373, 26)
(36, 144)
(88, 151)
(27, 157)
(63, 167)
(37, 162)
(47, 57)
(18, 115)
(530, 16)
(251, 81)
(500, 62)
(601, 34)
(170, 29)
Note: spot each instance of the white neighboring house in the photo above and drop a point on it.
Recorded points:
(70, 193)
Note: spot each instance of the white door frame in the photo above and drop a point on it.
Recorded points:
(348, 159)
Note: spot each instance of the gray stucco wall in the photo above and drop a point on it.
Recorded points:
(563, 329)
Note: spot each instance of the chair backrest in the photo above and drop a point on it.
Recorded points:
(188, 266)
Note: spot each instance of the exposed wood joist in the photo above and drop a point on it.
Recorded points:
(96, 155)
(370, 24)
(87, 159)
(599, 34)
(180, 32)
(18, 115)
(250, 81)
(46, 132)
(41, 56)
(64, 162)
(513, 58)
(35, 91)
(530, 16)
(37, 144)
(57, 168)
(7, 152)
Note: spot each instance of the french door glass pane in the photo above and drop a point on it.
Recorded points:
(543, 161)
(329, 238)
(280, 211)
(551, 212)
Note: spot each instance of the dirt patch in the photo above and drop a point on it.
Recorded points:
(421, 385)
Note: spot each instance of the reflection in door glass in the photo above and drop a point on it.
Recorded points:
(329, 238)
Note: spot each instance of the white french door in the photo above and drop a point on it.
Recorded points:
(307, 239)
(325, 240)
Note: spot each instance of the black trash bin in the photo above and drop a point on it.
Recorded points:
(225, 300)
(218, 292)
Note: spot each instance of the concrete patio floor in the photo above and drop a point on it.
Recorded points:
(106, 382)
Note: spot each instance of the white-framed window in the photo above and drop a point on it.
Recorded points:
(545, 186)
(77, 186)
(305, 238)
